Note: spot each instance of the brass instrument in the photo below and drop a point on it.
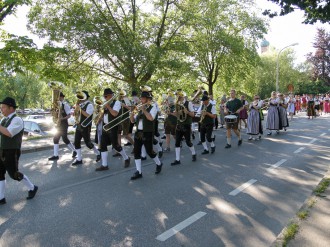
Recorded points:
(145, 88)
(80, 95)
(200, 91)
(180, 108)
(203, 113)
(56, 87)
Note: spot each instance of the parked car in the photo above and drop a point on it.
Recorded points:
(27, 111)
(39, 127)
(30, 117)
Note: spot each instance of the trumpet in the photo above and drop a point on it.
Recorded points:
(203, 114)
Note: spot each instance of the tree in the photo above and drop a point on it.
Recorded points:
(8, 7)
(320, 60)
(318, 10)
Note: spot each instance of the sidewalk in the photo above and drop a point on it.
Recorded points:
(315, 229)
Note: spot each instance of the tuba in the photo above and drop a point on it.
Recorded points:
(56, 88)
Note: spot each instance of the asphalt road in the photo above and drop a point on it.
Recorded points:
(243, 196)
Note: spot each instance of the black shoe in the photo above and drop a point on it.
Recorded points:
(194, 157)
(176, 162)
(160, 154)
(116, 155)
(98, 157)
(143, 158)
(127, 162)
(74, 154)
(212, 150)
(228, 146)
(102, 168)
(77, 163)
(128, 144)
(206, 151)
(158, 168)
(239, 142)
(32, 193)
(277, 132)
(136, 175)
(53, 158)
(3, 201)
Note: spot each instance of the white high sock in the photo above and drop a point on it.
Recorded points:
(70, 145)
(2, 189)
(143, 151)
(192, 149)
(56, 148)
(96, 151)
(157, 161)
(138, 165)
(205, 146)
(229, 141)
(27, 182)
(104, 156)
(123, 154)
(177, 154)
(79, 154)
(212, 144)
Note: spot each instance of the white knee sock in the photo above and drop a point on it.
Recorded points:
(96, 151)
(143, 151)
(138, 165)
(27, 182)
(158, 147)
(56, 148)
(79, 154)
(177, 154)
(192, 149)
(157, 161)
(205, 146)
(229, 140)
(104, 156)
(2, 189)
(123, 154)
(70, 145)
(212, 144)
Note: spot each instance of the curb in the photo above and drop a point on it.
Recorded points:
(37, 149)
(306, 206)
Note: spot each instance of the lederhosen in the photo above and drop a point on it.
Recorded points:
(207, 124)
(84, 132)
(184, 129)
(62, 129)
(170, 122)
(10, 151)
(144, 137)
(110, 137)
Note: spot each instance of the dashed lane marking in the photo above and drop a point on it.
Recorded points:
(169, 233)
(277, 164)
(323, 134)
(312, 141)
(242, 187)
(299, 150)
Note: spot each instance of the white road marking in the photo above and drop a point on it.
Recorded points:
(299, 150)
(242, 187)
(312, 141)
(277, 164)
(323, 134)
(169, 233)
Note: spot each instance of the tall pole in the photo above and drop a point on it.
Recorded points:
(277, 63)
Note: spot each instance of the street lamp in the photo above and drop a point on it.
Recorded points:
(277, 62)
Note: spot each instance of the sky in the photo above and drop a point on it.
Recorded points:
(283, 30)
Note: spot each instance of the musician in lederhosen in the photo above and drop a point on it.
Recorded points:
(11, 134)
(83, 113)
(126, 106)
(112, 117)
(144, 134)
(170, 120)
(184, 112)
(62, 128)
(208, 114)
(233, 107)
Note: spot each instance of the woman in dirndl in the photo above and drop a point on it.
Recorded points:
(298, 103)
(282, 105)
(243, 115)
(326, 104)
(291, 106)
(254, 126)
(310, 107)
(273, 119)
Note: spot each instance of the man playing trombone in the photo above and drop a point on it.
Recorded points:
(144, 133)
(112, 118)
(83, 114)
(184, 112)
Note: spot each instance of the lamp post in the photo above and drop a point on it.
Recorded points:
(277, 63)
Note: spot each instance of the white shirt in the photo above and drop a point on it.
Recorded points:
(16, 124)
(199, 111)
(67, 108)
(153, 113)
(90, 108)
(116, 107)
